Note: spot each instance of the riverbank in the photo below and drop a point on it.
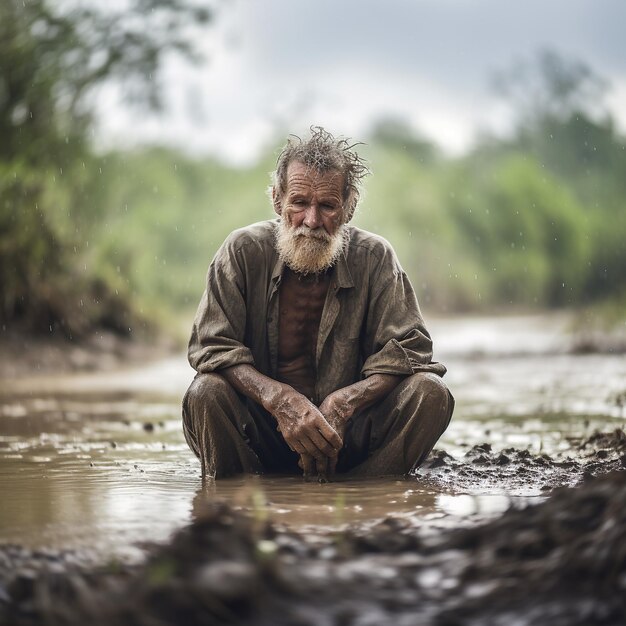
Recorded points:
(559, 562)
(557, 332)
(23, 354)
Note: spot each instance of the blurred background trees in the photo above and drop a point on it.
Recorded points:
(534, 220)
(122, 239)
(53, 58)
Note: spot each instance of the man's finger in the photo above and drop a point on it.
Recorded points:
(321, 443)
(322, 470)
(296, 446)
(311, 448)
(330, 434)
(332, 465)
(306, 462)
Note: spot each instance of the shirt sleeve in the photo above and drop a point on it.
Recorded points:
(396, 338)
(219, 326)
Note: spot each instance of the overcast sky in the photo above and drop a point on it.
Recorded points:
(276, 64)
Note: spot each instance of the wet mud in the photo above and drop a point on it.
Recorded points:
(482, 467)
(518, 518)
(560, 560)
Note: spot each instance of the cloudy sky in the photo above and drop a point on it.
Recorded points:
(287, 64)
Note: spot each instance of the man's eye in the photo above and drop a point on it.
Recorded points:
(328, 207)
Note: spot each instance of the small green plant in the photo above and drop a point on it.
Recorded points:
(160, 572)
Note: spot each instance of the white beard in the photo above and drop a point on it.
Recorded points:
(309, 251)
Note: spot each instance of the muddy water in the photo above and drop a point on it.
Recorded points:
(98, 461)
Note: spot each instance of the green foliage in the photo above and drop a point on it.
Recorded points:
(564, 127)
(52, 58)
(524, 229)
(109, 241)
(479, 231)
(44, 280)
(406, 202)
(165, 217)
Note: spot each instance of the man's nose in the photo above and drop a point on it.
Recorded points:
(313, 218)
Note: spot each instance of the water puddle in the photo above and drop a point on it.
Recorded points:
(99, 462)
(103, 482)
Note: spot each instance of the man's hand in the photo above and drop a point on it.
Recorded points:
(316, 434)
(301, 423)
(304, 428)
(337, 408)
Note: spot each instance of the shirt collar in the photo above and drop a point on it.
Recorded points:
(277, 272)
(343, 277)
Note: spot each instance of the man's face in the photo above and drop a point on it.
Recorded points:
(311, 232)
(312, 199)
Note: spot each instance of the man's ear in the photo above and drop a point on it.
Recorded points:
(276, 201)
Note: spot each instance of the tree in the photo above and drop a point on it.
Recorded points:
(562, 123)
(397, 132)
(550, 87)
(53, 57)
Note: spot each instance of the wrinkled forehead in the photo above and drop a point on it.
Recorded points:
(303, 177)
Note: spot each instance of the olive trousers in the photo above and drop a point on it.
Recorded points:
(231, 434)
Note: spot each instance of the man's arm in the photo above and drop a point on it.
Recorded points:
(342, 404)
(302, 424)
(219, 326)
(395, 340)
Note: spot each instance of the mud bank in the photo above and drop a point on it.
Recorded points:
(519, 470)
(560, 562)
(26, 355)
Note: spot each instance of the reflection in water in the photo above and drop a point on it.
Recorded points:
(463, 505)
(313, 505)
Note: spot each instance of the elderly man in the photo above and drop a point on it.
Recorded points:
(309, 344)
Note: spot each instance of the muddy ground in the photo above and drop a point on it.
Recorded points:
(559, 562)
(22, 354)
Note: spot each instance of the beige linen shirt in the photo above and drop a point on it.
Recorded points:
(371, 322)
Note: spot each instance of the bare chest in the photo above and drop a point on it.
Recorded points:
(301, 305)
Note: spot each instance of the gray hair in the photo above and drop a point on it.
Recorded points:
(323, 153)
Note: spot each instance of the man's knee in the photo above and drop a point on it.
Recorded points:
(215, 427)
(406, 425)
(210, 403)
(428, 411)
(428, 388)
(208, 390)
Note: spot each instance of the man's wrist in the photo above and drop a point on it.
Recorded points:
(371, 390)
(353, 400)
(272, 395)
(248, 380)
